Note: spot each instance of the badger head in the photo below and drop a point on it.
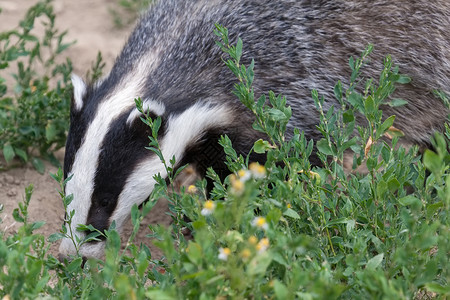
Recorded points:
(110, 168)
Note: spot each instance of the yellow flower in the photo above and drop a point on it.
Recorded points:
(314, 175)
(246, 253)
(224, 253)
(289, 205)
(260, 222)
(192, 189)
(257, 170)
(208, 208)
(263, 245)
(252, 240)
(237, 185)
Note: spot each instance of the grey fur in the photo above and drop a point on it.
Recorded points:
(297, 46)
(301, 45)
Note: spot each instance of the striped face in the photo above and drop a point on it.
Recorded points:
(105, 153)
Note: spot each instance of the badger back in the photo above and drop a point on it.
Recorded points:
(172, 63)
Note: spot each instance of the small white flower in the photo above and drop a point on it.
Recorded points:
(224, 253)
(208, 208)
(244, 175)
(257, 170)
(260, 222)
(263, 245)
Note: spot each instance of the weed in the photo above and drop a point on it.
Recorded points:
(284, 230)
(33, 116)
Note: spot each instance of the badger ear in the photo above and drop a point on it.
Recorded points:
(79, 90)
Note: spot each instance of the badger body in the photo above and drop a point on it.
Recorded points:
(172, 63)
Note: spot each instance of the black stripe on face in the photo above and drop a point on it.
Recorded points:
(80, 120)
(79, 123)
(122, 149)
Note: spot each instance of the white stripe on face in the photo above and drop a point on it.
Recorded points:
(79, 90)
(86, 159)
(148, 105)
(85, 164)
(182, 130)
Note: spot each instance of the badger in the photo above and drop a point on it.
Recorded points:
(172, 63)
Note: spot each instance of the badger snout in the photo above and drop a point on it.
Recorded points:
(67, 250)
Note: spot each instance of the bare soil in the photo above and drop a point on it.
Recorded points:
(90, 24)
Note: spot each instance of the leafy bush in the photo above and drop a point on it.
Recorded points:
(33, 116)
(284, 230)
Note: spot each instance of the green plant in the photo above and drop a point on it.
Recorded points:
(284, 230)
(33, 115)
(318, 232)
(22, 256)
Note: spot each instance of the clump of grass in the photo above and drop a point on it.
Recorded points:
(280, 230)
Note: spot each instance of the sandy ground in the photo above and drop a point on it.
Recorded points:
(90, 24)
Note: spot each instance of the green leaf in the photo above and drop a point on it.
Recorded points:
(438, 288)
(369, 105)
(261, 146)
(17, 216)
(348, 116)
(274, 215)
(355, 99)
(259, 264)
(277, 114)
(134, 214)
(194, 252)
(160, 295)
(409, 200)
(37, 225)
(397, 102)
(428, 274)
(8, 152)
(238, 49)
(433, 208)
(21, 153)
(349, 143)
(74, 266)
(113, 241)
(394, 132)
(280, 289)
(50, 131)
(393, 185)
(291, 213)
(350, 226)
(338, 91)
(351, 63)
(432, 161)
(371, 163)
(403, 79)
(55, 237)
(324, 147)
(38, 164)
(375, 261)
(386, 124)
